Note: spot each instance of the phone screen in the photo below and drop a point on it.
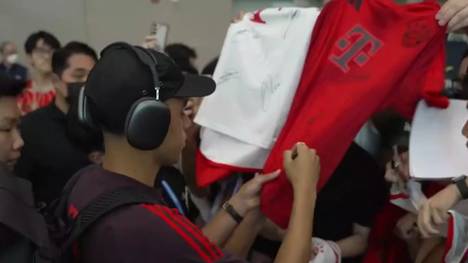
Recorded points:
(161, 31)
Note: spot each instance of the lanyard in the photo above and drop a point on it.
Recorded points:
(173, 197)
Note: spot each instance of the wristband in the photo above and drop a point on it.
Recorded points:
(460, 183)
(232, 212)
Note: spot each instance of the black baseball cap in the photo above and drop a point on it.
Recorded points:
(121, 77)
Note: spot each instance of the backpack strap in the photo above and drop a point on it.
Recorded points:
(60, 205)
(103, 205)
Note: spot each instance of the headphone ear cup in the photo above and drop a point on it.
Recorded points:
(84, 114)
(147, 123)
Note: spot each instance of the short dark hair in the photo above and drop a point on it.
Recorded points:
(32, 40)
(180, 51)
(181, 54)
(61, 56)
(209, 69)
(10, 87)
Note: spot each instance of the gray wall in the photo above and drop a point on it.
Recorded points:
(65, 18)
(201, 24)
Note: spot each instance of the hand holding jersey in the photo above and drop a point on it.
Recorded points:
(454, 14)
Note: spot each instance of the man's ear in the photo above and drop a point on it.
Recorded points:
(58, 83)
(96, 157)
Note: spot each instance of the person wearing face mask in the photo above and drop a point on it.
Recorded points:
(52, 153)
(40, 90)
(9, 65)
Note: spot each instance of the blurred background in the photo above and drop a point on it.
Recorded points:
(201, 24)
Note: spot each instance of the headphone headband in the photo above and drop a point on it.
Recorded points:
(148, 119)
(146, 57)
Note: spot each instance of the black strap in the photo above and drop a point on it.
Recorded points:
(60, 205)
(462, 187)
(232, 212)
(102, 206)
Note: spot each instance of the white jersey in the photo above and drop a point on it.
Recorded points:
(257, 76)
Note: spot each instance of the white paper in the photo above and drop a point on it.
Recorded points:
(437, 147)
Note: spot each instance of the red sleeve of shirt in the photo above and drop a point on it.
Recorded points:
(425, 79)
(149, 233)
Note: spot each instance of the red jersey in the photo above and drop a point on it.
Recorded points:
(365, 56)
(31, 100)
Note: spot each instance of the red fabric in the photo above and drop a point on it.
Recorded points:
(395, 57)
(384, 246)
(448, 243)
(194, 239)
(399, 196)
(72, 211)
(208, 172)
(194, 230)
(31, 100)
(432, 188)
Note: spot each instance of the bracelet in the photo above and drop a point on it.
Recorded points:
(460, 183)
(232, 212)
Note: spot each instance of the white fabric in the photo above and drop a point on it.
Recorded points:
(214, 144)
(413, 191)
(369, 138)
(325, 251)
(458, 243)
(257, 76)
(204, 207)
(416, 198)
(209, 209)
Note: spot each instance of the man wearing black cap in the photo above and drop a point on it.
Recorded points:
(133, 87)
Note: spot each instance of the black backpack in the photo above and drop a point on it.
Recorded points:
(47, 235)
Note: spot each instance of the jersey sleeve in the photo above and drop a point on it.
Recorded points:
(150, 233)
(424, 80)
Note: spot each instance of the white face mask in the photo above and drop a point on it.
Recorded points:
(12, 58)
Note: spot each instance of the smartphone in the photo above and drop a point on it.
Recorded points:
(160, 31)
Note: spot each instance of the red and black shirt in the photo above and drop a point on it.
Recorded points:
(137, 233)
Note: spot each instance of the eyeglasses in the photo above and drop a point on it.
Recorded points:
(43, 51)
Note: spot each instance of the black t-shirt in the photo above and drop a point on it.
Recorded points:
(16, 71)
(354, 194)
(49, 157)
(175, 184)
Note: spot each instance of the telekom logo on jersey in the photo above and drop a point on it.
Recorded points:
(358, 46)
